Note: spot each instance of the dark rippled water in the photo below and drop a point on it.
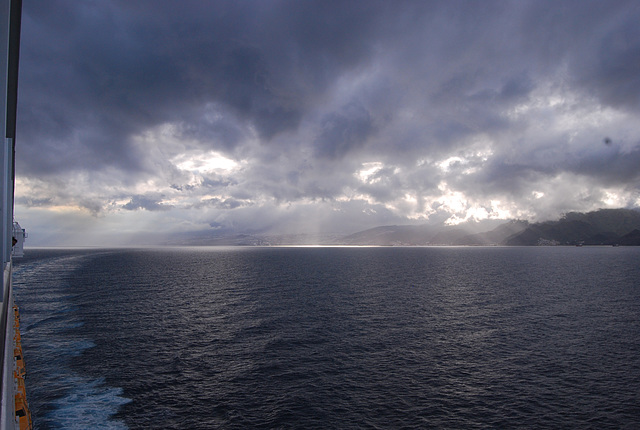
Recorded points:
(378, 338)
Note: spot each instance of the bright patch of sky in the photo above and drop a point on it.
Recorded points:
(203, 162)
(366, 174)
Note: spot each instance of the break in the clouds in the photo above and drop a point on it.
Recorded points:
(139, 119)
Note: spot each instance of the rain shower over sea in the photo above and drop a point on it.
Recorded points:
(332, 338)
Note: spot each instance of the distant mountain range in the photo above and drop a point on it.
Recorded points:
(399, 235)
(602, 227)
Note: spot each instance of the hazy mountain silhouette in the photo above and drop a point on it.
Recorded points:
(601, 227)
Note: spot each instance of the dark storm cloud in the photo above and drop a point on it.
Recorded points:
(344, 131)
(599, 41)
(210, 126)
(516, 88)
(220, 203)
(613, 76)
(34, 202)
(501, 176)
(216, 182)
(144, 202)
(610, 165)
(119, 67)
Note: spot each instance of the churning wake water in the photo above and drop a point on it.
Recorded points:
(332, 338)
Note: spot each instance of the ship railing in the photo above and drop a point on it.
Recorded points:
(7, 418)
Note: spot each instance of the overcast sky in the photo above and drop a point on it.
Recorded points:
(139, 119)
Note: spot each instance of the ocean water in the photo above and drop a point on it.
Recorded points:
(332, 338)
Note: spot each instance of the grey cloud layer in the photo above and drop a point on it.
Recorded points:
(307, 91)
